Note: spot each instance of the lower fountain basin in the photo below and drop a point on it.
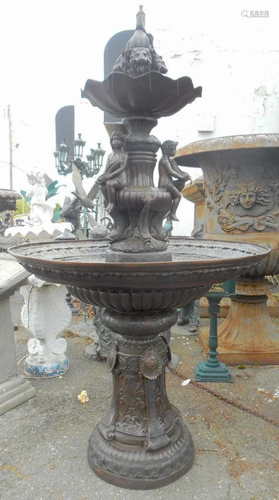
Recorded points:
(196, 265)
(142, 441)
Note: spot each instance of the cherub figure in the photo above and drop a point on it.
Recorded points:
(168, 169)
(115, 176)
(40, 210)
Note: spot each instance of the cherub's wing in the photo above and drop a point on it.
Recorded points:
(77, 180)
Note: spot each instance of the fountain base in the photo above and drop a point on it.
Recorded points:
(134, 468)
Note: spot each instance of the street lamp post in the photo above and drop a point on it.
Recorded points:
(88, 169)
(64, 165)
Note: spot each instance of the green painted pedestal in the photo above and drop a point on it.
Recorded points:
(212, 370)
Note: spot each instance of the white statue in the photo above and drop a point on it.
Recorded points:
(45, 314)
(40, 210)
(40, 225)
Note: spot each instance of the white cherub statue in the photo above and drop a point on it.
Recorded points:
(40, 210)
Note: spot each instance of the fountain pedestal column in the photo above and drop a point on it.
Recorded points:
(142, 442)
(212, 370)
(138, 235)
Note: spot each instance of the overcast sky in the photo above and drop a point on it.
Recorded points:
(49, 50)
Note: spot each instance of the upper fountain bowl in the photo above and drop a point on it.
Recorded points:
(196, 265)
(151, 94)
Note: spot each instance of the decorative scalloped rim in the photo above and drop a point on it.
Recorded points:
(230, 142)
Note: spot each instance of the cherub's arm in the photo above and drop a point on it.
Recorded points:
(168, 167)
(107, 167)
(175, 168)
(109, 174)
(118, 170)
(103, 177)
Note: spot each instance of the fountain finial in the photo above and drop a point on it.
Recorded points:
(139, 56)
(140, 39)
(140, 18)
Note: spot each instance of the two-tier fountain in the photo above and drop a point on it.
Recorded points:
(139, 278)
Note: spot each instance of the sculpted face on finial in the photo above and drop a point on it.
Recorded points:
(139, 56)
(140, 61)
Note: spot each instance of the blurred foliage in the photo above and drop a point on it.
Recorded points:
(56, 213)
(23, 207)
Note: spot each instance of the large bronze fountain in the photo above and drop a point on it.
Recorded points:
(139, 278)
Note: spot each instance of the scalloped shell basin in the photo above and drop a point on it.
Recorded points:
(196, 265)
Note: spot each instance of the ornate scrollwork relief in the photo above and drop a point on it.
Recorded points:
(132, 414)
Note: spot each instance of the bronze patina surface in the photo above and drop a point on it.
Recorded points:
(142, 442)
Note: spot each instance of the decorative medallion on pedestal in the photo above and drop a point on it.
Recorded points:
(151, 364)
